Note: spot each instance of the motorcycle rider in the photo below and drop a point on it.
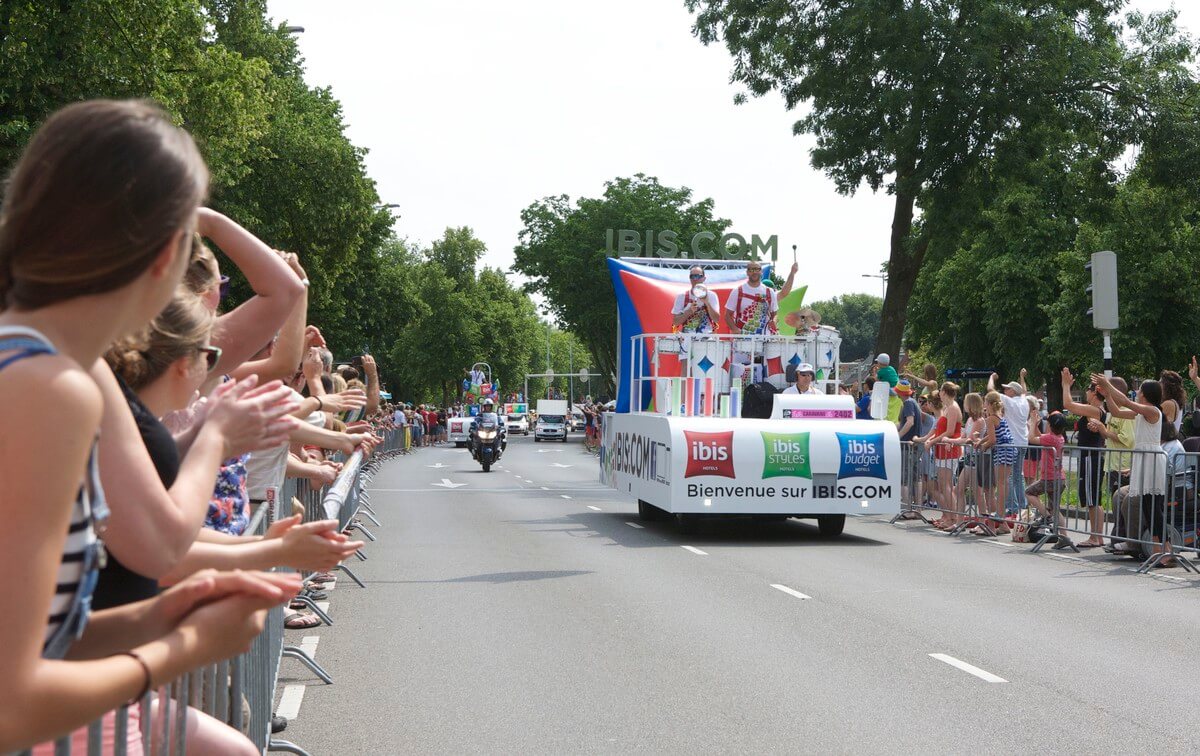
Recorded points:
(487, 412)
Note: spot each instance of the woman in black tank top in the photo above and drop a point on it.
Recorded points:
(1091, 455)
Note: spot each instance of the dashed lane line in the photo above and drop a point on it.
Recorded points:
(596, 509)
(635, 525)
(694, 550)
(970, 669)
(790, 591)
(289, 702)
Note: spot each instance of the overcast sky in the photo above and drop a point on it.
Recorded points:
(472, 110)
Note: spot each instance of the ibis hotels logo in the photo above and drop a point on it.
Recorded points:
(862, 455)
(709, 453)
(786, 455)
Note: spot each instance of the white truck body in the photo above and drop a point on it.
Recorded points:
(810, 458)
(459, 429)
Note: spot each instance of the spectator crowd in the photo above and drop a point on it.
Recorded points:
(997, 460)
(145, 425)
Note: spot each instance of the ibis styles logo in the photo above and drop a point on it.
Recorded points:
(709, 453)
(862, 456)
(786, 454)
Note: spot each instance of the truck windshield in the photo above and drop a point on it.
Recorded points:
(552, 419)
(515, 418)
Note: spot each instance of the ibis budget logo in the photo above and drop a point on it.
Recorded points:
(862, 455)
(786, 454)
(709, 453)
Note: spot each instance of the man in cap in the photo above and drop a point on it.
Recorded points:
(1016, 411)
(909, 426)
(804, 381)
(884, 370)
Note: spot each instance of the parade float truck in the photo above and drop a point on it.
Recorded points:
(679, 441)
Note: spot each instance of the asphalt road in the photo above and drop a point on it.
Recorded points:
(525, 611)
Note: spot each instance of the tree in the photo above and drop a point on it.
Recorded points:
(1154, 232)
(856, 316)
(911, 96)
(562, 251)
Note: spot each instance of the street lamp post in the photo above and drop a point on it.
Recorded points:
(294, 29)
(882, 282)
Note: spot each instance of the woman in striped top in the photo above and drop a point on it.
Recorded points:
(94, 236)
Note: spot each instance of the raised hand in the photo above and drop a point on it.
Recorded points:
(251, 417)
(317, 546)
(312, 366)
(1068, 380)
(345, 401)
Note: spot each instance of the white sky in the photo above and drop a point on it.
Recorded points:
(472, 110)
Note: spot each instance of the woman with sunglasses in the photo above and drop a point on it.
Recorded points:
(280, 287)
(94, 236)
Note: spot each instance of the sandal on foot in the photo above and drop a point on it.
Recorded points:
(302, 622)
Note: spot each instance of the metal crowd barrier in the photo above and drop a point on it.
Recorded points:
(1086, 494)
(240, 691)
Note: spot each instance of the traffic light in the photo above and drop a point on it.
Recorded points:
(1103, 290)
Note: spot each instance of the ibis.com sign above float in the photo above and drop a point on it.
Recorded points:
(705, 245)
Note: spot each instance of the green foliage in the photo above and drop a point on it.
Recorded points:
(912, 97)
(283, 167)
(1154, 232)
(562, 251)
(1003, 284)
(856, 316)
(459, 317)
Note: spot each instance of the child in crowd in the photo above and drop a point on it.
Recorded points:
(1050, 478)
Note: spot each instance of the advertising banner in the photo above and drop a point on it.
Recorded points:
(781, 466)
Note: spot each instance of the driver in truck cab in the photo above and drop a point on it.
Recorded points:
(487, 412)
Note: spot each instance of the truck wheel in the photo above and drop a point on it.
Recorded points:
(459, 444)
(537, 438)
(564, 438)
(831, 525)
(647, 512)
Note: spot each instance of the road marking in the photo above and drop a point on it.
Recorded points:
(308, 644)
(969, 668)
(439, 465)
(323, 606)
(558, 465)
(289, 702)
(564, 496)
(447, 483)
(545, 489)
(527, 480)
(635, 525)
(547, 451)
(695, 550)
(790, 591)
(597, 509)
(999, 543)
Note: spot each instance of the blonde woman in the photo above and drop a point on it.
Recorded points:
(999, 441)
(974, 473)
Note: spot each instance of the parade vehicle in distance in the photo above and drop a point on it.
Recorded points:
(459, 429)
(551, 420)
(518, 424)
(680, 444)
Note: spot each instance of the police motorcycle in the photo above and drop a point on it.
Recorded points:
(488, 439)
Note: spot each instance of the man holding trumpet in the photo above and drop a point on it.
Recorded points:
(696, 310)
